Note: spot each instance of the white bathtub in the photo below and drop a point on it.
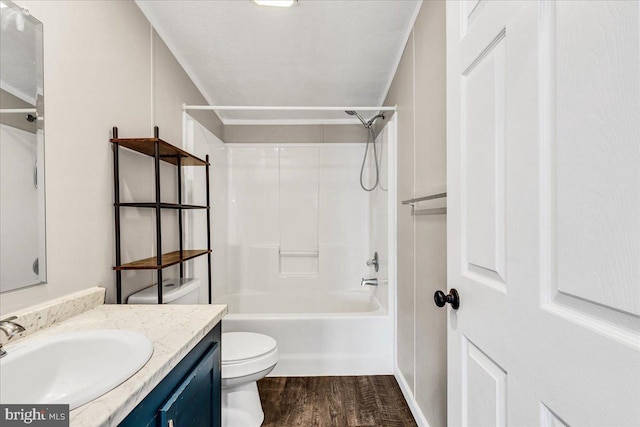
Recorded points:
(330, 333)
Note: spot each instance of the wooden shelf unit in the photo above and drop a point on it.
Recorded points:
(167, 260)
(160, 151)
(162, 205)
(168, 153)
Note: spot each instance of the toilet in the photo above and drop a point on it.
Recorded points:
(246, 356)
(174, 291)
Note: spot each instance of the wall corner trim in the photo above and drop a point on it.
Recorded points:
(410, 398)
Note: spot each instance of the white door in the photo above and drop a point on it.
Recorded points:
(544, 212)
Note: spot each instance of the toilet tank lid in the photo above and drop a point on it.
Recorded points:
(241, 346)
(172, 289)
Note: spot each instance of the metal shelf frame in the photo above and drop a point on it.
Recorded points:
(160, 151)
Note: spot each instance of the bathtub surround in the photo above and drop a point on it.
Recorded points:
(297, 216)
(242, 172)
(382, 218)
(299, 194)
(294, 233)
(104, 65)
(418, 89)
(304, 289)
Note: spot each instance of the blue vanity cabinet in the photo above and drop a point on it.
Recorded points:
(185, 405)
(190, 395)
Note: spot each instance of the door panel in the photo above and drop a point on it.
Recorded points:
(575, 348)
(549, 419)
(484, 391)
(590, 236)
(476, 227)
(471, 9)
(543, 158)
(483, 164)
(596, 72)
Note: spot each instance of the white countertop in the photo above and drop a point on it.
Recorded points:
(174, 331)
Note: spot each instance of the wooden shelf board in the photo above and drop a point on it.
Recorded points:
(168, 259)
(162, 205)
(168, 153)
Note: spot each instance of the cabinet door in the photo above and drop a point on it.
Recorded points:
(195, 402)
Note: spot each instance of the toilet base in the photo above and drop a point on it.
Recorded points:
(241, 406)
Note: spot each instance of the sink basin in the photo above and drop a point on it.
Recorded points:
(71, 368)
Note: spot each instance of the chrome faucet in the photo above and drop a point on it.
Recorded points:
(10, 329)
(374, 262)
(372, 282)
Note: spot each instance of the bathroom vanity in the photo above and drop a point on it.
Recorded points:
(189, 394)
(179, 384)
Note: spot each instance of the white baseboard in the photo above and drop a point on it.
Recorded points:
(411, 401)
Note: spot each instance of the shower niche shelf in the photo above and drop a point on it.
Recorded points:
(161, 151)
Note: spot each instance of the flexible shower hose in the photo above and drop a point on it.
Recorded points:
(371, 139)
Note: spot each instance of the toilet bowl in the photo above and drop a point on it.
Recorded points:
(246, 358)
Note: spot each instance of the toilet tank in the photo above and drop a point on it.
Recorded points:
(174, 291)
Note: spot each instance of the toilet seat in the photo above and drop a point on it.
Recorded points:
(247, 353)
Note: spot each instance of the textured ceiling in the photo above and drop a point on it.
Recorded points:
(318, 53)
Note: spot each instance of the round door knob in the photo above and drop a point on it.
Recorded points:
(453, 298)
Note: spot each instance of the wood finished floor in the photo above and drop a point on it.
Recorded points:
(366, 401)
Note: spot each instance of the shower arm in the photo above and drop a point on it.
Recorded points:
(366, 124)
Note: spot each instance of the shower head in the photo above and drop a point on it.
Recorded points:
(366, 124)
(355, 113)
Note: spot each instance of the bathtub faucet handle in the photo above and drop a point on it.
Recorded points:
(371, 282)
(374, 262)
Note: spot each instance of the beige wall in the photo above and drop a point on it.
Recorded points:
(104, 66)
(418, 89)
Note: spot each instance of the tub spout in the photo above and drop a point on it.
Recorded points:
(371, 282)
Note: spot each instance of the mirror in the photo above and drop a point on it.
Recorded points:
(22, 208)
